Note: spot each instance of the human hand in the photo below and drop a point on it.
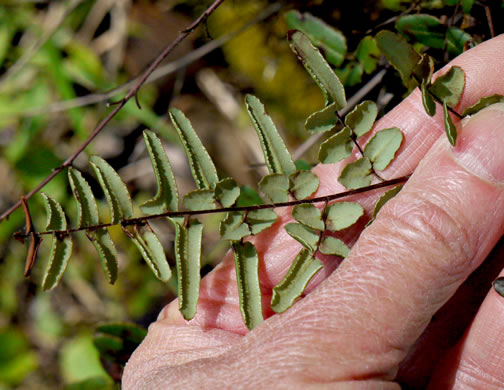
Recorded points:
(401, 308)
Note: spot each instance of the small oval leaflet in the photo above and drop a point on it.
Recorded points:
(449, 87)
(303, 184)
(362, 118)
(367, 54)
(341, 215)
(202, 166)
(426, 29)
(293, 284)
(308, 215)
(166, 197)
(61, 246)
(188, 257)
(450, 128)
(107, 252)
(337, 147)
(116, 192)
(227, 192)
(334, 246)
(381, 149)
(318, 68)
(427, 100)
(456, 40)
(384, 199)
(202, 199)
(276, 187)
(247, 277)
(233, 226)
(276, 155)
(498, 286)
(259, 220)
(482, 103)
(425, 69)
(323, 120)
(308, 237)
(356, 174)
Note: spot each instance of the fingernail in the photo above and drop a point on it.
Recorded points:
(480, 144)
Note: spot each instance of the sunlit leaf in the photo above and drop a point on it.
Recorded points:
(318, 69)
(275, 187)
(341, 215)
(56, 219)
(427, 100)
(276, 155)
(308, 237)
(323, 120)
(202, 166)
(152, 251)
(450, 128)
(226, 192)
(337, 147)
(321, 34)
(362, 118)
(292, 285)
(356, 174)
(166, 197)
(308, 215)
(385, 198)
(426, 29)
(188, 257)
(248, 197)
(303, 184)
(449, 87)
(367, 54)
(233, 226)
(399, 53)
(259, 220)
(202, 199)
(116, 192)
(247, 277)
(334, 246)
(107, 252)
(456, 40)
(381, 149)
(482, 103)
(87, 209)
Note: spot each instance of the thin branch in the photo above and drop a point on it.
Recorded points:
(143, 220)
(159, 73)
(132, 92)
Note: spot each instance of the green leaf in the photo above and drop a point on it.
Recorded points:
(202, 166)
(319, 69)
(385, 198)
(308, 237)
(188, 258)
(227, 192)
(116, 192)
(367, 54)
(356, 174)
(248, 197)
(87, 209)
(303, 184)
(456, 40)
(152, 251)
(450, 128)
(259, 220)
(200, 200)
(276, 155)
(323, 120)
(482, 103)
(449, 87)
(308, 215)
(425, 69)
(106, 251)
(426, 29)
(362, 118)
(247, 277)
(129, 332)
(427, 100)
(233, 226)
(381, 149)
(334, 246)
(108, 345)
(61, 250)
(166, 197)
(350, 74)
(342, 215)
(275, 187)
(400, 54)
(321, 34)
(467, 5)
(292, 285)
(302, 165)
(56, 219)
(337, 147)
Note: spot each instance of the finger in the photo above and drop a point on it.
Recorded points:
(219, 304)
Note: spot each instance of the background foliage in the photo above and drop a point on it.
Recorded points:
(58, 51)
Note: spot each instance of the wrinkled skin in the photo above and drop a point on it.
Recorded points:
(411, 306)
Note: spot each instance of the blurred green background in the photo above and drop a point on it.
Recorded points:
(59, 61)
